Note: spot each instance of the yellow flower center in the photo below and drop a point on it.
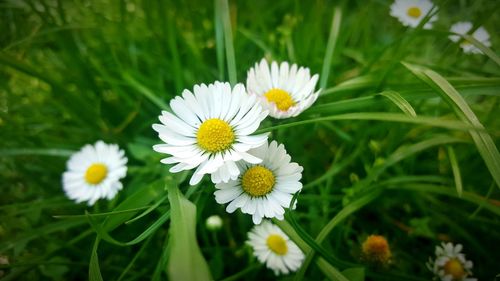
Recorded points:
(376, 249)
(454, 268)
(215, 135)
(96, 173)
(257, 181)
(414, 12)
(281, 98)
(277, 244)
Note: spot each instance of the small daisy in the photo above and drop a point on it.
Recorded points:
(411, 12)
(273, 247)
(480, 35)
(94, 172)
(210, 130)
(376, 249)
(285, 91)
(450, 264)
(262, 190)
(213, 223)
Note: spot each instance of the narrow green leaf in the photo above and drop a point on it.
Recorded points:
(330, 46)
(482, 139)
(380, 116)
(219, 39)
(186, 261)
(487, 51)
(456, 170)
(94, 270)
(228, 39)
(400, 102)
(34, 151)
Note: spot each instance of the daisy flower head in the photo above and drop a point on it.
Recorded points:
(94, 172)
(376, 249)
(411, 12)
(209, 130)
(264, 189)
(284, 90)
(480, 35)
(273, 248)
(450, 264)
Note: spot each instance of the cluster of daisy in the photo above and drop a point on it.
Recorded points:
(211, 130)
(412, 12)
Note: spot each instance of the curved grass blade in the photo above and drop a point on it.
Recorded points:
(487, 51)
(400, 102)
(482, 139)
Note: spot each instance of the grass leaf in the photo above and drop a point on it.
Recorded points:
(400, 102)
(186, 261)
(456, 170)
(482, 139)
(330, 47)
(94, 270)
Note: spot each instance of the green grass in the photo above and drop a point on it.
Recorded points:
(403, 140)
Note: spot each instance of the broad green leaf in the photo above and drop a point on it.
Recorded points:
(400, 102)
(94, 270)
(456, 170)
(482, 139)
(185, 259)
(355, 273)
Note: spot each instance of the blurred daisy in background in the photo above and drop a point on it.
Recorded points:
(265, 189)
(286, 91)
(214, 223)
(273, 248)
(411, 12)
(375, 249)
(450, 264)
(479, 34)
(94, 172)
(210, 130)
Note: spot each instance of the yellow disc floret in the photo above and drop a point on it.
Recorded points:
(281, 98)
(376, 249)
(454, 268)
(215, 135)
(257, 181)
(96, 173)
(414, 12)
(277, 244)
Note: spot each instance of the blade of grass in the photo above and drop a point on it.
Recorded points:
(456, 170)
(34, 151)
(228, 39)
(380, 116)
(219, 39)
(400, 102)
(145, 91)
(482, 139)
(330, 46)
(94, 270)
(487, 51)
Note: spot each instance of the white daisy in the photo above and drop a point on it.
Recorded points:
(94, 172)
(272, 247)
(210, 130)
(450, 263)
(262, 190)
(285, 91)
(480, 35)
(411, 12)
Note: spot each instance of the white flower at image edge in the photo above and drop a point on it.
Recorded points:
(285, 91)
(273, 248)
(411, 12)
(265, 189)
(210, 130)
(94, 172)
(479, 34)
(450, 264)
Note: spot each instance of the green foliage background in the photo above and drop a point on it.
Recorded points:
(73, 72)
